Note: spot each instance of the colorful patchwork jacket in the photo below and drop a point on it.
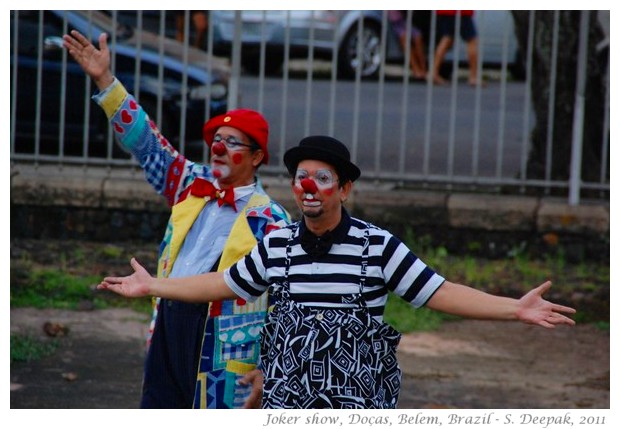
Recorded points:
(230, 346)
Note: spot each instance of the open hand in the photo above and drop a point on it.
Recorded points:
(535, 310)
(135, 285)
(95, 62)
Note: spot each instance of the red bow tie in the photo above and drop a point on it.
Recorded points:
(204, 188)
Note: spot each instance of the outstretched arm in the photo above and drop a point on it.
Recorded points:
(95, 62)
(464, 301)
(200, 288)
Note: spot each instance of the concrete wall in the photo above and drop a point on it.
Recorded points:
(115, 205)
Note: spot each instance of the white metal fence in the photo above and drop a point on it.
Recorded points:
(342, 73)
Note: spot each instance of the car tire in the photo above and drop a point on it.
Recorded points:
(371, 52)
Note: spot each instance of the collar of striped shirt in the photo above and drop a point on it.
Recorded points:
(320, 245)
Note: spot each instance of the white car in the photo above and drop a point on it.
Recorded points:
(335, 32)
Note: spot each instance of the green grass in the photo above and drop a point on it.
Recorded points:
(67, 279)
(54, 288)
(27, 348)
(510, 276)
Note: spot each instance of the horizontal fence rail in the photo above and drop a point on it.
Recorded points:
(340, 73)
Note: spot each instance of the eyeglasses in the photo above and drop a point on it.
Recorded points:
(232, 143)
(324, 178)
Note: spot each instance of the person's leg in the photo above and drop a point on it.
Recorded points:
(472, 58)
(445, 35)
(470, 36)
(414, 63)
(172, 360)
(440, 52)
(419, 55)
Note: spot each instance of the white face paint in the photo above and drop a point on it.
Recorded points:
(220, 171)
(323, 178)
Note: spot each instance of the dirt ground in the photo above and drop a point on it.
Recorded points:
(465, 364)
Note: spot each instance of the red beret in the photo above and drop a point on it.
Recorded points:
(249, 122)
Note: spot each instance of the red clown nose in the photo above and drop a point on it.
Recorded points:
(218, 148)
(309, 186)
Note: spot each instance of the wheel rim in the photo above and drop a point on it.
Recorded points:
(370, 56)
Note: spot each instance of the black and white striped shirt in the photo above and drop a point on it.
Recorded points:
(332, 279)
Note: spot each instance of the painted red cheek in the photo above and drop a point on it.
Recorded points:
(237, 158)
(298, 191)
(329, 191)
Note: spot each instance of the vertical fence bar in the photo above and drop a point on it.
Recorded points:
(453, 95)
(233, 84)
(429, 97)
(501, 120)
(209, 66)
(37, 124)
(63, 97)
(160, 68)
(309, 73)
(110, 142)
(184, 81)
(402, 144)
(358, 85)
(407, 47)
(285, 73)
(334, 76)
(88, 83)
(605, 145)
(574, 187)
(14, 88)
(477, 106)
(263, 50)
(552, 90)
(380, 95)
(137, 68)
(137, 76)
(526, 104)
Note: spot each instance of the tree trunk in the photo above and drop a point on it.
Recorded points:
(566, 80)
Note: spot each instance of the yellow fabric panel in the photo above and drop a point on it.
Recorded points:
(239, 368)
(241, 239)
(113, 101)
(202, 381)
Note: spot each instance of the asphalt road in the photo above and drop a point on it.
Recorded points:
(401, 126)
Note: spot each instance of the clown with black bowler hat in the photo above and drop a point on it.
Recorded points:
(322, 174)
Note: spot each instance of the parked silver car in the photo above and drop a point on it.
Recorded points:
(335, 32)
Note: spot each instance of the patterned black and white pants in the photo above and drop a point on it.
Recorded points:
(328, 358)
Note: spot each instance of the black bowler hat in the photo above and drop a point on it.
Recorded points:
(326, 149)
